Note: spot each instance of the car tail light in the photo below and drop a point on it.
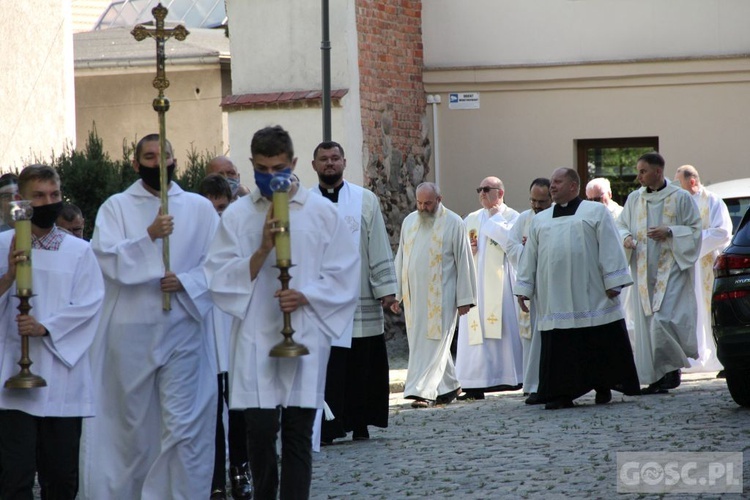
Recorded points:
(730, 265)
(733, 295)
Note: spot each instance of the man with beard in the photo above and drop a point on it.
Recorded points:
(436, 282)
(154, 432)
(357, 385)
(40, 428)
(575, 267)
(513, 245)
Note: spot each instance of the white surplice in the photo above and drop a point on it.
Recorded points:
(69, 294)
(430, 370)
(156, 391)
(326, 271)
(666, 338)
(531, 341)
(715, 236)
(494, 361)
(377, 276)
(568, 296)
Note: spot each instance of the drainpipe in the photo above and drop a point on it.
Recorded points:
(434, 99)
(325, 50)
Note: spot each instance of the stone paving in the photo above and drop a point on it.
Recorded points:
(502, 448)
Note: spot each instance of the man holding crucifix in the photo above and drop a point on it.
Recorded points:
(154, 432)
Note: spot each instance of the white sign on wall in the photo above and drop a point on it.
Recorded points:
(463, 100)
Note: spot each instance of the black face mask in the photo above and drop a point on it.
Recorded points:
(46, 215)
(150, 176)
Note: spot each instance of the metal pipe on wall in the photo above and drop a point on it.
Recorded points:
(325, 51)
(435, 100)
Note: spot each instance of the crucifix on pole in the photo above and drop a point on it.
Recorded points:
(161, 106)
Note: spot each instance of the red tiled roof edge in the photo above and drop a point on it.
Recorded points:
(291, 99)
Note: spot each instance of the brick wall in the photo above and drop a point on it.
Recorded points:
(396, 145)
(396, 149)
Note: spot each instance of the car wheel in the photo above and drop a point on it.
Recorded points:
(738, 382)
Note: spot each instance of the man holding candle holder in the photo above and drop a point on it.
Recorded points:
(40, 427)
(156, 395)
(357, 385)
(281, 392)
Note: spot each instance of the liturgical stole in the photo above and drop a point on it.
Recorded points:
(666, 258)
(490, 323)
(435, 276)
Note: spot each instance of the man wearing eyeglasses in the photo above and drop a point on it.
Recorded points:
(489, 355)
(600, 190)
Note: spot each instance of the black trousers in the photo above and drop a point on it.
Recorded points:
(296, 451)
(236, 437)
(48, 446)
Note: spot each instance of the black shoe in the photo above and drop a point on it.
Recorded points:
(603, 396)
(447, 398)
(559, 404)
(239, 476)
(471, 394)
(533, 399)
(360, 434)
(654, 388)
(506, 388)
(671, 380)
(721, 374)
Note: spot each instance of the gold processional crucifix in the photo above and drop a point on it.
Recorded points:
(161, 106)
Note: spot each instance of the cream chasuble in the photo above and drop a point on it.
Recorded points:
(715, 236)
(435, 278)
(664, 312)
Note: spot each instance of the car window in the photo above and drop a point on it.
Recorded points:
(742, 237)
(737, 208)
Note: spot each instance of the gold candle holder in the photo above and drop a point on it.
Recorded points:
(24, 379)
(21, 212)
(281, 184)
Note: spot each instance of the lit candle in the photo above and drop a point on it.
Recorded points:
(23, 269)
(282, 241)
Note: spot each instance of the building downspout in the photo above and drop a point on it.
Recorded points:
(434, 99)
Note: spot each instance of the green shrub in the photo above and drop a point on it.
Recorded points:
(89, 176)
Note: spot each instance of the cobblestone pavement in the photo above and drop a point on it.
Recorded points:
(502, 448)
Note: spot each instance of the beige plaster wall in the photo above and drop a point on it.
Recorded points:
(303, 124)
(500, 32)
(278, 49)
(120, 106)
(36, 80)
(280, 44)
(530, 119)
